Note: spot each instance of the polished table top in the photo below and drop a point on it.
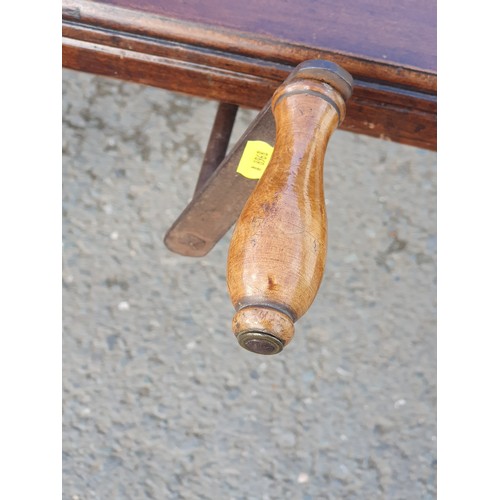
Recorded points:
(401, 32)
(239, 51)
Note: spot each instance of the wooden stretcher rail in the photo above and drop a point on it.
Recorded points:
(390, 101)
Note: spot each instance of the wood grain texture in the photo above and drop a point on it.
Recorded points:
(394, 98)
(277, 253)
(399, 31)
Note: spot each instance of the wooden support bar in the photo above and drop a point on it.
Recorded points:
(217, 143)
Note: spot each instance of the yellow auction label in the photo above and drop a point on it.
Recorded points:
(255, 159)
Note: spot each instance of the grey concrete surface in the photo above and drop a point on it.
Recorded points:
(159, 400)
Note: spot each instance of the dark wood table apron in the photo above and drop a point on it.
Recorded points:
(240, 51)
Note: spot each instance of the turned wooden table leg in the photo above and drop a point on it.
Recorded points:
(277, 253)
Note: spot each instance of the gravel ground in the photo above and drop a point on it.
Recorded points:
(160, 402)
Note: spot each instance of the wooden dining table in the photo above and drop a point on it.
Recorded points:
(239, 52)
